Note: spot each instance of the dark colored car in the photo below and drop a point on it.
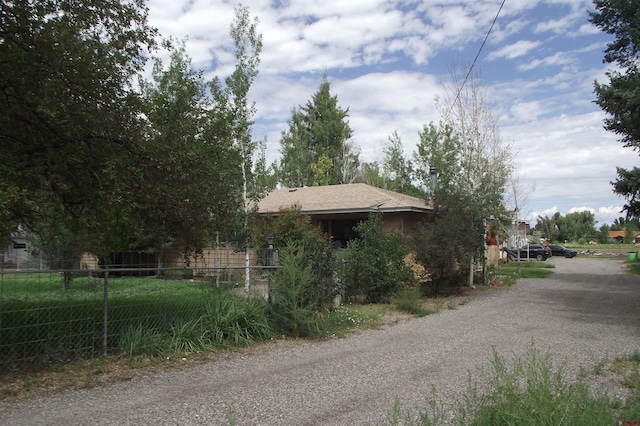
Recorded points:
(535, 251)
(557, 250)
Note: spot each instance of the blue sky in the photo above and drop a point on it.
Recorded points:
(388, 60)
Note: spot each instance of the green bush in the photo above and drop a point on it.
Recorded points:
(137, 340)
(374, 263)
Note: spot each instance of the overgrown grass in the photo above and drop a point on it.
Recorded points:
(338, 322)
(409, 300)
(532, 391)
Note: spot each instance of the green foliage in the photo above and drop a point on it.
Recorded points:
(304, 284)
(192, 164)
(620, 97)
(146, 316)
(526, 270)
(409, 300)
(374, 263)
(293, 290)
(395, 173)
(71, 123)
(137, 340)
(445, 242)
(316, 131)
(531, 392)
(571, 227)
(439, 148)
(339, 321)
(231, 321)
(85, 154)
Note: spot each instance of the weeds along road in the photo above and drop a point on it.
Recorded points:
(585, 312)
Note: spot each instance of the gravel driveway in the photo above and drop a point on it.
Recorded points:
(588, 310)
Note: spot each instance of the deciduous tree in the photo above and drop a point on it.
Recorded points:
(70, 122)
(473, 165)
(189, 185)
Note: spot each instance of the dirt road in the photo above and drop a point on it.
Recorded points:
(587, 310)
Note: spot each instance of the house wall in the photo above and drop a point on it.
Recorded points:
(223, 256)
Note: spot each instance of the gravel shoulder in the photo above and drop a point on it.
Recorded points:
(587, 311)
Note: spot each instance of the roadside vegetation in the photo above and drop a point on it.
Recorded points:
(170, 322)
(532, 390)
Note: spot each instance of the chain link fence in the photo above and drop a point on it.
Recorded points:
(52, 317)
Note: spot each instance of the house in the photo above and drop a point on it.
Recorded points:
(336, 209)
(618, 236)
(16, 253)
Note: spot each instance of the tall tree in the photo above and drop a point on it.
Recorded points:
(247, 47)
(70, 120)
(621, 97)
(190, 183)
(473, 165)
(318, 132)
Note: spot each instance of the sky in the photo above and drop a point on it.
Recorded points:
(389, 60)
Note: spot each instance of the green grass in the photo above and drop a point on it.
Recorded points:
(339, 322)
(410, 301)
(42, 325)
(508, 274)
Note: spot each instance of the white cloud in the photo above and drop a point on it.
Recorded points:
(514, 50)
(557, 59)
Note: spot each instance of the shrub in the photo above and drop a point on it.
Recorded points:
(296, 293)
(374, 263)
(446, 240)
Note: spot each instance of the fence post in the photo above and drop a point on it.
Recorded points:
(105, 311)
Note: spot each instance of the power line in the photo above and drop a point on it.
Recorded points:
(477, 55)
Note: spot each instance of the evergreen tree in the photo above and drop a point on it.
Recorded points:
(621, 97)
(315, 149)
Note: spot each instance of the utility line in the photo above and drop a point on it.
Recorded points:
(477, 55)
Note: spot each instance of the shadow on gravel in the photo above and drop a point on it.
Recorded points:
(607, 299)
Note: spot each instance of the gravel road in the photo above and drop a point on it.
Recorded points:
(588, 310)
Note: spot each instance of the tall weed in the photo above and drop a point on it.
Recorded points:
(532, 392)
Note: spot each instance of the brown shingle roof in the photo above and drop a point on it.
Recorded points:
(349, 198)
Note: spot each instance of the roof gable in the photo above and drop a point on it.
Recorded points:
(347, 198)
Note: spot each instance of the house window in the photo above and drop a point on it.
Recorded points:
(19, 245)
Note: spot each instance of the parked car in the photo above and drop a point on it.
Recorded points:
(534, 251)
(558, 250)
